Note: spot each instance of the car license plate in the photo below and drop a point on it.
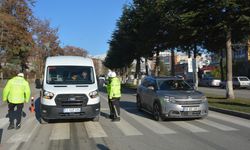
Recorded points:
(190, 108)
(71, 110)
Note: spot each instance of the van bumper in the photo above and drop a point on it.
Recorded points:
(55, 112)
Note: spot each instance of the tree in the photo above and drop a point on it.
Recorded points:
(16, 38)
(74, 51)
(227, 19)
(46, 43)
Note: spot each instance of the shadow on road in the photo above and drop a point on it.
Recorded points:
(1, 134)
(102, 147)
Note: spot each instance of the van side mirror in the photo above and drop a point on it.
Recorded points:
(38, 84)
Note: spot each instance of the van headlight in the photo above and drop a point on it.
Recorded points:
(48, 95)
(169, 99)
(204, 99)
(93, 94)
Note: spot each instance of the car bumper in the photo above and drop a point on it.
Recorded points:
(179, 111)
(54, 112)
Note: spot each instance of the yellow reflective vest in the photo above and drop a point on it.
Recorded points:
(16, 91)
(115, 88)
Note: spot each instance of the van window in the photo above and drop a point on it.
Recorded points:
(70, 75)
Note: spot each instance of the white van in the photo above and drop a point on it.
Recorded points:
(69, 89)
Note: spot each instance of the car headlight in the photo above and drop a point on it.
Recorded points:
(93, 94)
(169, 99)
(204, 99)
(48, 95)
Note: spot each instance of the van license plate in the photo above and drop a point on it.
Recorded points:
(70, 110)
(190, 108)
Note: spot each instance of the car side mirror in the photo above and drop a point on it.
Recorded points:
(38, 84)
(151, 88)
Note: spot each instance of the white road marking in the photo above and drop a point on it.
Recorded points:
(127, 128)
(26, 131)
(217, 125)
(94, 130)
(14, 146)
(189, 127)
(231, 119)
(151, 124)
(3, 122)
(60, 132)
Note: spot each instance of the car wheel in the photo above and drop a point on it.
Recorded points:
(138, 103)
(157, 112)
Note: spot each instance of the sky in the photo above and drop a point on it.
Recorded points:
(87, 24)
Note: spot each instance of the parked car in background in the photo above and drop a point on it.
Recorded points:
(238, 82)
(170, 97)
(210, 81)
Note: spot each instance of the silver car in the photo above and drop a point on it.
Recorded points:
(170, 97)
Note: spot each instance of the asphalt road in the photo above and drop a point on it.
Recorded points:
(239, 93)
(135, 131)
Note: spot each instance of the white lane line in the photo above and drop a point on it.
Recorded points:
(60, 132)
(3, 122)
(26, 131)
(127, 128)
(94, 130)
(231, 119)
(189, 127)
(14, 146)
(151, 124)
(217, 125)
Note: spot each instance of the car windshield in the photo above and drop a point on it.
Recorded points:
(69, 75)
(173, 85)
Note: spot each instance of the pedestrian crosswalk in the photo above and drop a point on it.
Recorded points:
(190, 127)
(60, 132)
(131, 124)
(95, 130)
(3, 122)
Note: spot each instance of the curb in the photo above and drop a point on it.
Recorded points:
(230, 112)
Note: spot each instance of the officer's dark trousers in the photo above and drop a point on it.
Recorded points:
(111, 109)
(115, 109)
(16, 115)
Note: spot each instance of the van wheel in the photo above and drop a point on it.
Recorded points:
(138, 103)
(43, 121)
(96, 119)
(157, 112)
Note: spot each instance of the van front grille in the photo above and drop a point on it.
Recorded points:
(71, 100)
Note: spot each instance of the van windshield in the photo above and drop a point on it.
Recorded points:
(70, 75)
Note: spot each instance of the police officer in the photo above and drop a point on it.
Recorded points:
(111, 116)
(16, 92)
(114, 96)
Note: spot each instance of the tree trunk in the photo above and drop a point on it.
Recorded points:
(195, 73)
(172, 62)
(157, 63)
(229, 89)
(146, 66)
(138, 67)
(221, 66)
